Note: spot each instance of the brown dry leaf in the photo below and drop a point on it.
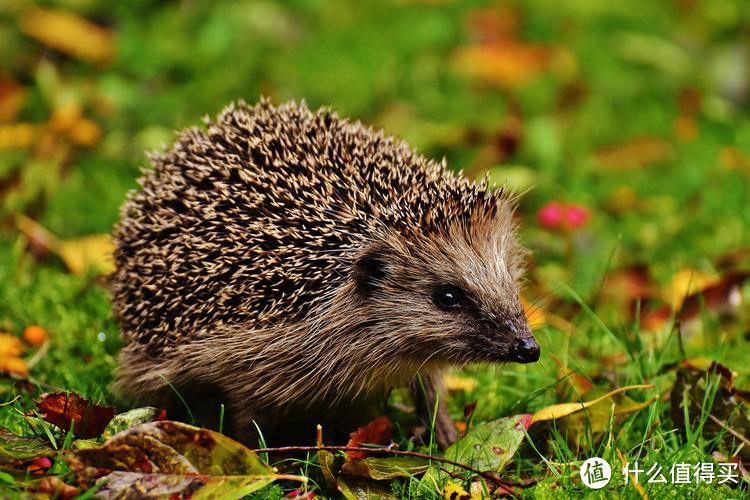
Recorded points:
(12, 98)
(722, 296)
(65, 408)
(68, 33)
(686, 283)
(636, 153)
(506, 64)
(376, 432)
(691, 295)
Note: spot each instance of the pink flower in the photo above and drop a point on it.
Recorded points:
(577, 216)
(561, 216)
(551, 215)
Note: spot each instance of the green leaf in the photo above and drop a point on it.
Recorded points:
(124, 421)
(166, 458)
(488, 447)
(14, 448)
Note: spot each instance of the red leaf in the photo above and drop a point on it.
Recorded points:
(376, 432)
(63, 409)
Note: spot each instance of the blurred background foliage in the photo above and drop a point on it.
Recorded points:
(636, 110)
(625, 125)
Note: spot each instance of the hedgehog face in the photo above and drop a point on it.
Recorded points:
(450, 297)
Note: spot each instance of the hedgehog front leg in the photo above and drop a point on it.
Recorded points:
(429, 399)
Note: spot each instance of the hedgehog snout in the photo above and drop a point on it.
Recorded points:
(523, 347)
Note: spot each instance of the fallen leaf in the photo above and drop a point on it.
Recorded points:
(385, 468)
(453, 382)
(564, 409)
(163, 459)
(506, 64)
(16, 449)
(65, 408)
(18, 135)
(80, 255)
(488, 447)
(14, 366)
(88, 252)
(131, 418)
(69, 33)
(636, 153)
(10, 346)
(376, 432)
(454, 491)
(685, 283)
(12, 98)
(68, 120)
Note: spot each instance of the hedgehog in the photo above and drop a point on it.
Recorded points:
(295, 267)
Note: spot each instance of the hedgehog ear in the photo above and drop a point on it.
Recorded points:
(369, 271)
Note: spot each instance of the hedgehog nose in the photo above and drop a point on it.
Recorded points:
(525, 350)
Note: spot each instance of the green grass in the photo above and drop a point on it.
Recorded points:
(618, 72)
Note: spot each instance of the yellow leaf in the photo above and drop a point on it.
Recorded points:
(91, 252)
(10, 346)
(453, 491)
(506, 64)
(68, 119)
(635, 153)
(14, 366)
(456, 383)
(88, 252)
(18, 135)
(85, 132)
(68, 33)
(534, 314)
(685, 283)
(563, 410)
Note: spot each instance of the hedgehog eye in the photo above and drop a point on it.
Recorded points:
(448, 298)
